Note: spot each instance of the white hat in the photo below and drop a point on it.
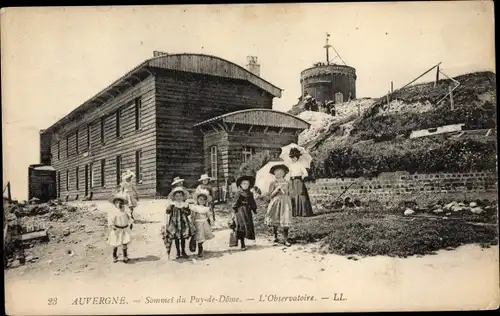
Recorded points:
(177, 180)
(180, 189)
(203, 192)
(128, 174)
(204, 177)
(118, 197)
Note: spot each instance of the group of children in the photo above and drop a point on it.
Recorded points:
(189, 219)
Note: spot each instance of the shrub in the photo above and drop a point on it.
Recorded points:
(254, 164)
(423, 155)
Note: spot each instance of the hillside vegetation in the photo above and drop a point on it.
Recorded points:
(378, 140)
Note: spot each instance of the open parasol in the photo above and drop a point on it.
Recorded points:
(264, 178)
(305, 159)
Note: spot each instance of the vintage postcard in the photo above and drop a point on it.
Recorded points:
(270, 158)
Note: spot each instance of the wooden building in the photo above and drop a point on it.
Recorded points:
(155, 119)
(41, 182)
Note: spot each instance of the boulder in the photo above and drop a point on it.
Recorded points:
(473, 204)
(458, 208)
(476, 210)
(409, 211)
(450, 206)
(438, 210)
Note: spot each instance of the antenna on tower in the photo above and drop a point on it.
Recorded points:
(327, 46)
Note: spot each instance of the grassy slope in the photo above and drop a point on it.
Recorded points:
(474, 101)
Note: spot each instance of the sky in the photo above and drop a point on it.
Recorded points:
(54, 59)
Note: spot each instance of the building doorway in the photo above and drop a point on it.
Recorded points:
(45, 192)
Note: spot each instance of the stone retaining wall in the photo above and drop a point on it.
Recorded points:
(395, 187)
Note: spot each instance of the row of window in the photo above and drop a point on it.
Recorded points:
(90, 169)
(118, 130)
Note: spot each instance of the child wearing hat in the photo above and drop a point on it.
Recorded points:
(179, 227)
(243, 207)
(201, 218)
(119, 223)
(177, 182)
(279, 210)
(204, 181)
(128, 188)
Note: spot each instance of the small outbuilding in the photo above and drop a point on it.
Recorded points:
(41, 182)
(231, 139)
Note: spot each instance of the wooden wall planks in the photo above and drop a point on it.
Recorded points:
(185, 99)
(130, 141)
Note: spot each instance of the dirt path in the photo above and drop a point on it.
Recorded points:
(440, 281)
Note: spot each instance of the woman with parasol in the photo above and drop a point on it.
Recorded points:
(301, 204)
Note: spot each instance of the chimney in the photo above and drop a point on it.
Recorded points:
(158, 53)
(252, 65)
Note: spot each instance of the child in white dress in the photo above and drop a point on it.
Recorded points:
(119, 222)
(200, 215)
(204, 181)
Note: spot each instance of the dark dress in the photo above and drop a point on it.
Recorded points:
(301, 204)
(179, 225)
(243, 207)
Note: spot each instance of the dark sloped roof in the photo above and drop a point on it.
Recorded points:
(211, 65)
(187, 62)
(261, 117)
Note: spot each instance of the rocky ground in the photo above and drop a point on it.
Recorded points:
(77, 231)
(79, 264)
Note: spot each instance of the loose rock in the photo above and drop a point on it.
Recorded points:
(476, 210)
(409, 211)
(450, 206)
